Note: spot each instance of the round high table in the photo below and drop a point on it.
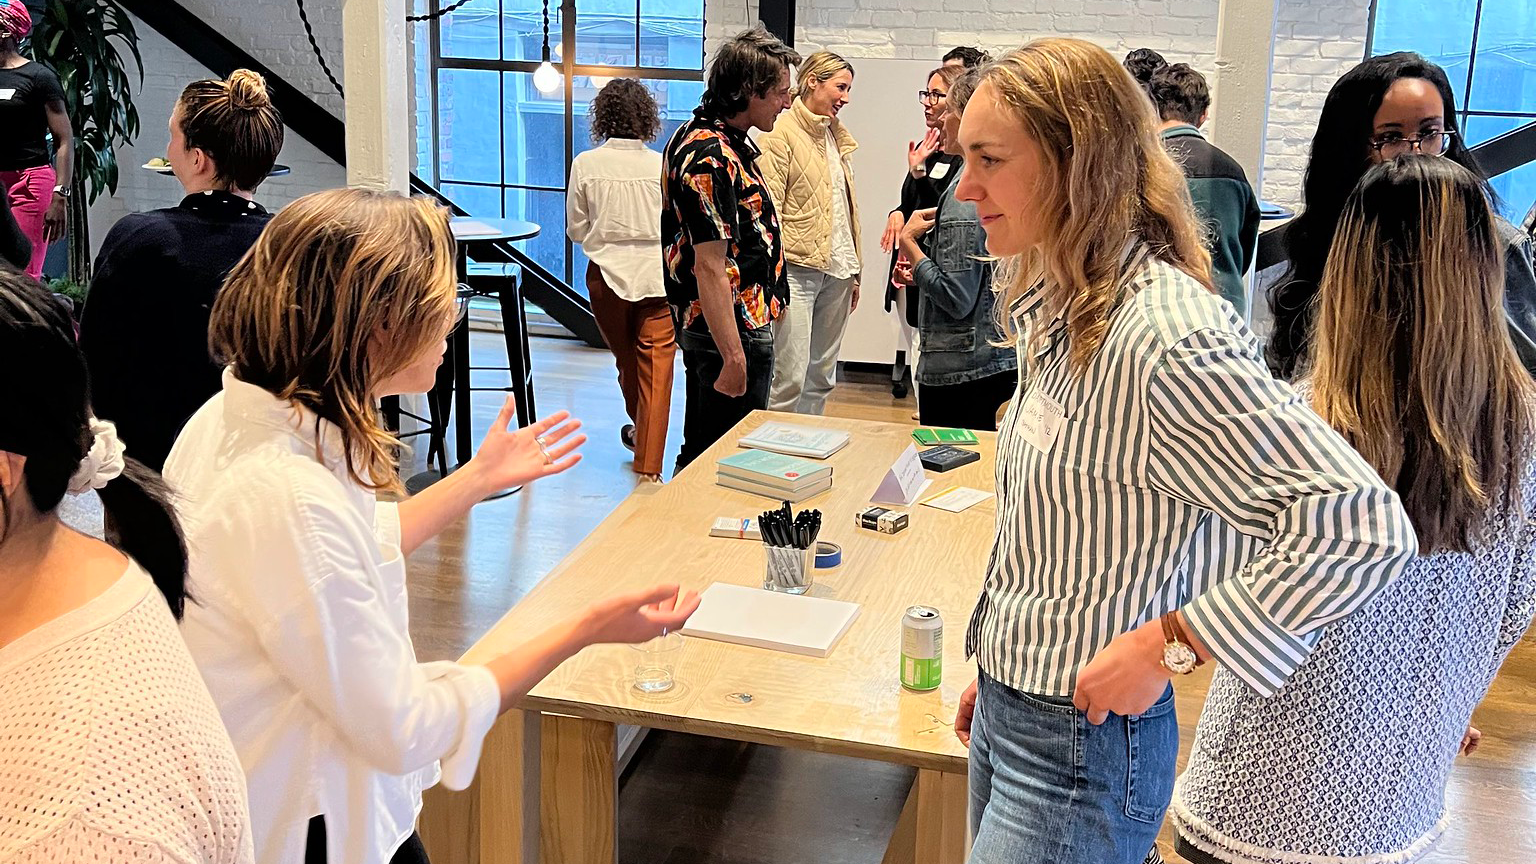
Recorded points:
(474, 232)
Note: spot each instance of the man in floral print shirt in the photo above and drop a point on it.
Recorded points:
(724, 260)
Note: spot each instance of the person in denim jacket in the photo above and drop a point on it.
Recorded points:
(965, 377)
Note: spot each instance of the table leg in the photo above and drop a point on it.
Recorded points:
(933, 822)
(514, 330)
(580, 797)
(464, 446)
(495, 820)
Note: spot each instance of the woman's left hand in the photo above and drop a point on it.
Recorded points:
(852, 307)
(511, 457)
(1126, 678)
(1470, 740)
(55, 220)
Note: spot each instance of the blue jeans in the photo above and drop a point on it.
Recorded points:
(1048, 787)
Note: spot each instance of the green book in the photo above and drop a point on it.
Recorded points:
(930, 436)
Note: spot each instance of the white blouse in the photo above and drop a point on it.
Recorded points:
(110, 749)
(613, 209)
(300, 631)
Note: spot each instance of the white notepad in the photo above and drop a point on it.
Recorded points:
(765, 619)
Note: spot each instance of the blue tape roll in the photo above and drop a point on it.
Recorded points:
(828, 555)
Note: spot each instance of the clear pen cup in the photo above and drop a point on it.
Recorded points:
(656, 663)
(788, 570)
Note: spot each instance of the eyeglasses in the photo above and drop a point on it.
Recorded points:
(1393, 145)
(931, 97)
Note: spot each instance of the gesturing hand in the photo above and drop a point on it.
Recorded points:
(965, 713)
(1470, 740)
(919, 151)
(639, 616)
(1126, 678)
(511, 457)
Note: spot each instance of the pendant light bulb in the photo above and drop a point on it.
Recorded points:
(546, 78)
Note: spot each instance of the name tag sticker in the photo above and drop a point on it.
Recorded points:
(8, 93)
(1040, 420)
(940, 171)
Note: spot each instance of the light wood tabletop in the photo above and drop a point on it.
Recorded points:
(850, 702)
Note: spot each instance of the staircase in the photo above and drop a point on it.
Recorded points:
(328, 135)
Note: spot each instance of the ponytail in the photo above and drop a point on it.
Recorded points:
(47, 420)
(142, 523)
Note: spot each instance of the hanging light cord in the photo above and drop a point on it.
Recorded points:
(546, 31)
(314, 44)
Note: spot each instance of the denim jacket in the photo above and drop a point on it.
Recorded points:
(954, 284)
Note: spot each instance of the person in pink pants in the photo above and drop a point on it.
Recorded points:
(32, 108)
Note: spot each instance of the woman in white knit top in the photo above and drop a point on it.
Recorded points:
(110, 747)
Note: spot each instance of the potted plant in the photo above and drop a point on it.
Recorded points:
(82, 41)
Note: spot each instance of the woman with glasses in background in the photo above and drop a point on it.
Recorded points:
(929, 172)
(1388, 106)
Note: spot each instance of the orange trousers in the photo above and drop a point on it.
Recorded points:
(643, 342)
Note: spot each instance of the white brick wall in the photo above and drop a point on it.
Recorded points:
(1316, 41)
(167, 70)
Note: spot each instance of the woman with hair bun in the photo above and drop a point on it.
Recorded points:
(110, 747)
(145, 326)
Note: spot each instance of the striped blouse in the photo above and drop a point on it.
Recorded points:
(1107, 479)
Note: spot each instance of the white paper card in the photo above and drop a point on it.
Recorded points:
(1040, 420)
(957, 499)
(766, 619)
(904, 482)
(471, 228)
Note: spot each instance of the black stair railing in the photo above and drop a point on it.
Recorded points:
(327, 133)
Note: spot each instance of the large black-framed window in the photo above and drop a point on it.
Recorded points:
(497, 146)
(1488, 50)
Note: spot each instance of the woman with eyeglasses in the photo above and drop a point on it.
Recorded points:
(1388, 106)
(1348, 764)
(929, 172)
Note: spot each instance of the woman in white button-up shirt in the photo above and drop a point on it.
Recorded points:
(300, 627)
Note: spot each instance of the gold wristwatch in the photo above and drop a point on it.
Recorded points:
(1178, 656)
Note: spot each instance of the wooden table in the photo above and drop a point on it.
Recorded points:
(547, 786)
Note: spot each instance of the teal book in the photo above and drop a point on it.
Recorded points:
(773, 469)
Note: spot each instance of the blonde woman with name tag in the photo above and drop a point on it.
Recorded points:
(1145, 415)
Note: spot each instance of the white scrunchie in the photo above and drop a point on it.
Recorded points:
(103, 464)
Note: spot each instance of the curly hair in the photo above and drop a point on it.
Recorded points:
(624, 109)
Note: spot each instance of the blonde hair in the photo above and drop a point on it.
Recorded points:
(1104, 180)
(820, 67)
(1412, 361)
(233, 121)
(342, 290)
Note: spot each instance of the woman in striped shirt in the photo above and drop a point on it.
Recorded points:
(1145, 416)
(1410, 361)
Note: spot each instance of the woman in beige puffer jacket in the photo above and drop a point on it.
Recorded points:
(806, 162)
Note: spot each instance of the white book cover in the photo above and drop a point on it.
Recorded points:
(795, 440)
(766, 619)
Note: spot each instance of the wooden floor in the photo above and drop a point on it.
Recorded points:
(688, 799)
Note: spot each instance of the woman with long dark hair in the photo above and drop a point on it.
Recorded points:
(110, 749)
(1388, 106)
(1411, 363)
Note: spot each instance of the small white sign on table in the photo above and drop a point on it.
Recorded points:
(904, 482)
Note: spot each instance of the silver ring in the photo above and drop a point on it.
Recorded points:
(539, 440)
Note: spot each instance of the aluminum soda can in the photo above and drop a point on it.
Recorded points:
(922, 648)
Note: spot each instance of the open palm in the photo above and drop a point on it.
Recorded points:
(511, 457)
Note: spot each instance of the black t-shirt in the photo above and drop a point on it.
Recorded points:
(24, 93)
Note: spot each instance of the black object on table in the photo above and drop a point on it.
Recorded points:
(453, 376)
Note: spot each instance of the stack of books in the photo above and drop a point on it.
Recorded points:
(773, 475)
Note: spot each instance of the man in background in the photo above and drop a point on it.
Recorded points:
(966, 56)
(1223, 197)
(723, 253)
